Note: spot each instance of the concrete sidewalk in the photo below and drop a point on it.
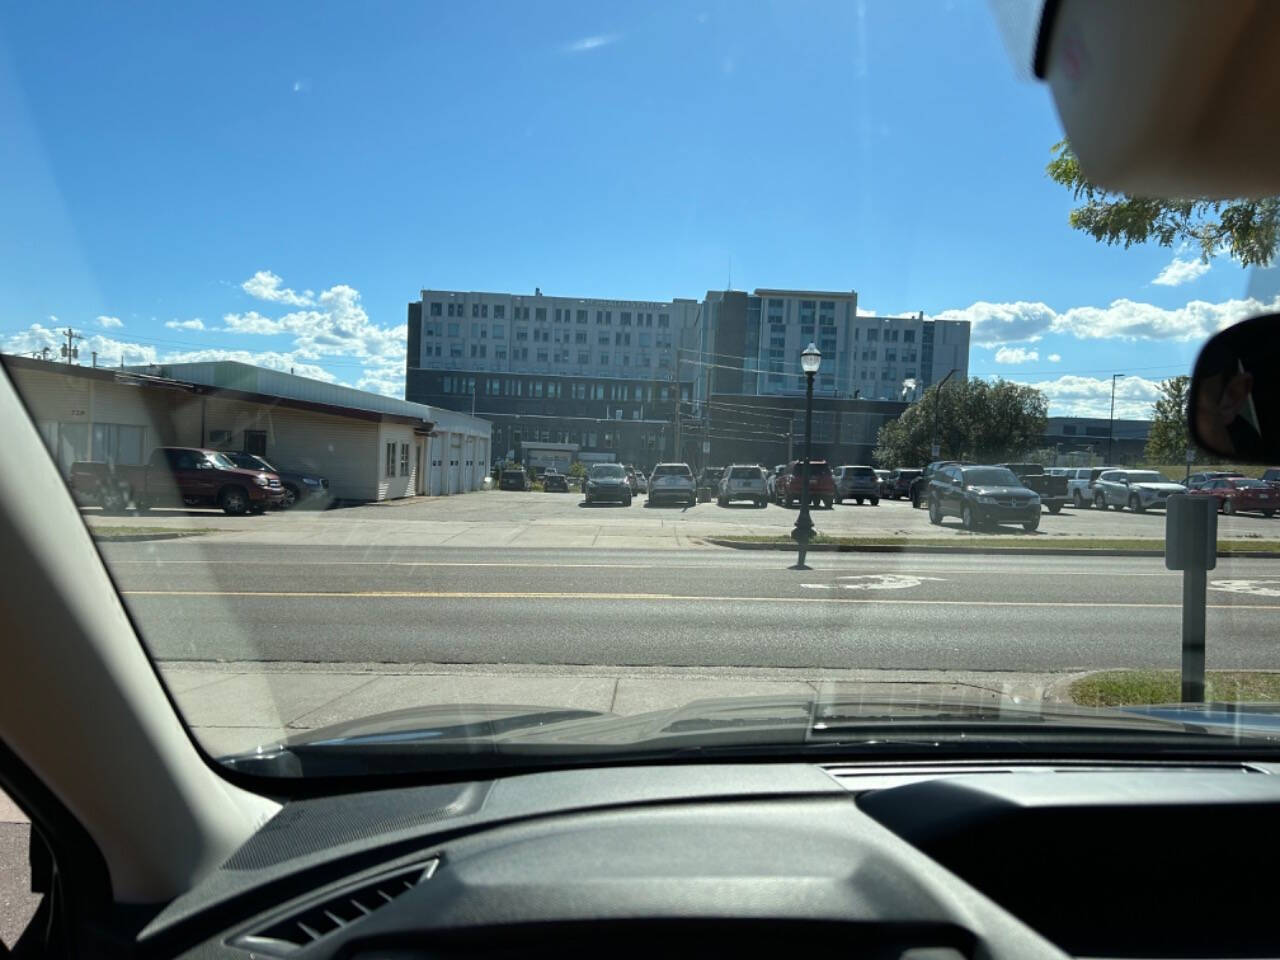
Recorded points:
(237, 706)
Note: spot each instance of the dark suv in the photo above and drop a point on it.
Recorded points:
(981, 496)
(514, 478)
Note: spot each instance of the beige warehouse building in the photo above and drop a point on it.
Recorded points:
(370, 447)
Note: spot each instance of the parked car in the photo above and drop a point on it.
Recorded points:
(900, 485)
(632, 481)
(1078, 486)
(742, 482)
(174, 476)
(1271, 475)
(299, 488)
(642, 482)
(1201, 479)
(672, 482)
(709, 483)
(856, 483)
(514, 478)
(982, 495)
(920, 485)
(607, 483)
(822, 488)
(1240, 493)
(1051, 489)
(553, 482)
(1138, 490)
(886, 482)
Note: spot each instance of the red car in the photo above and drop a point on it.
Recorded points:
(822, 486)
(1236, 494)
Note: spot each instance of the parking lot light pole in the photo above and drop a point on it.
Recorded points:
(1111, 423)
(802, 533)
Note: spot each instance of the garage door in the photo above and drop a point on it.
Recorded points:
(455, 464)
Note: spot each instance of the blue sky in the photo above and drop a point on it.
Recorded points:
(274, 182)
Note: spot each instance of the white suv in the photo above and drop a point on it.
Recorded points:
(672, 481)
(742, 482)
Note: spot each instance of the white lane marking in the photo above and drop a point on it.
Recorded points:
(1256, 588)
(873, 581)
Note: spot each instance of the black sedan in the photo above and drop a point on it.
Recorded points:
(299, 488)
(980, 496)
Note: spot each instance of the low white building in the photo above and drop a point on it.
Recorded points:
(370, 447)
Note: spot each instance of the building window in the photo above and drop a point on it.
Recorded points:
(580, 337)
(599, 395)
(603, 339)
(451, 309)
(499, 331)
(390, 467)
(404, 459)
(540, 314)
(522, 333)
(599, 318)
(890, 354)
(908, 336)
(435, 310)
(500, 353)
(873, 336)
(455, 350)
(455, 329)
(625, 318)
(626, 359)
(664, 320)
(542, 356)
(499, 311)
(475, 331)
(582, 316)
(584, 357)
(604, 359)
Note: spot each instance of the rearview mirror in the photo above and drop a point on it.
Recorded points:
(1233, 408)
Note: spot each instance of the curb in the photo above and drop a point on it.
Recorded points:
(138, 537)
(983, 551)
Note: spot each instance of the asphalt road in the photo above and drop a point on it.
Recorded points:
(684, 608)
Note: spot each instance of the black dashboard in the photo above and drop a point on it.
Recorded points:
(921, 862)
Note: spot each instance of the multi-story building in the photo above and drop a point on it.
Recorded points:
(628, 379)
(602, 375)
(752, 341)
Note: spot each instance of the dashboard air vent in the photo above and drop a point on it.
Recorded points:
(311, 922)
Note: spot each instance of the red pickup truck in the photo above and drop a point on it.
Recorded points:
(174, 477)
(822, 485)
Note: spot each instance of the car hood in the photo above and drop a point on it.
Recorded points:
(1157, 487)
(498, 734)
(997, 491)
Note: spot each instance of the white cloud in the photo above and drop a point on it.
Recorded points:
(195, 324)
(265, 285)
(592, 43)
(993, 324)
(108, 323)
(1055, 358)
(1076, 396)
(302, 85)
(1016, 355)
(251, 322)
(1181, 271)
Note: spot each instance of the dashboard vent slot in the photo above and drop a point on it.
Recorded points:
(309, 923)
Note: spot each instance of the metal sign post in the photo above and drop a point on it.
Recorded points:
(1191, 545)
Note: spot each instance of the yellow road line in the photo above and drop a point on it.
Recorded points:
(529, 595)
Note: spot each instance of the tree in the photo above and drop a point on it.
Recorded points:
(1247, 229)
(577, 469)
(977, 420)
(1168, 440)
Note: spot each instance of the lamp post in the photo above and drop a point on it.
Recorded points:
(1111, 423)
(802, 533)
(935, 451)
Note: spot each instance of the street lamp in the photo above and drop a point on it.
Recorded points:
(810, 360)
(1111, 424)
(935, 450)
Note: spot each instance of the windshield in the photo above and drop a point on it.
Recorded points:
(456, 265)
(991, 477)
(1244, 483)
(224, 462)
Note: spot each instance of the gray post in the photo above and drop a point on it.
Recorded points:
(1191, 545)
(1194, 582)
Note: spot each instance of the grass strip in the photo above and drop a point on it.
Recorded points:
(1029, 542)
(1114, 688)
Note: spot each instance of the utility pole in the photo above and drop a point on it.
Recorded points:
(95, 359)
(1111, 423)
(936, 450)
(70, 351)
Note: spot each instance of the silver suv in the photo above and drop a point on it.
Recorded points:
(1138, 490)
(672, 482)
(857, 484)
(743, 482)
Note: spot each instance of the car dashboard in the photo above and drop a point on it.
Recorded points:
(904, 861)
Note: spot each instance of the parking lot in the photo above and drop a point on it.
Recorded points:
(528, 519)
